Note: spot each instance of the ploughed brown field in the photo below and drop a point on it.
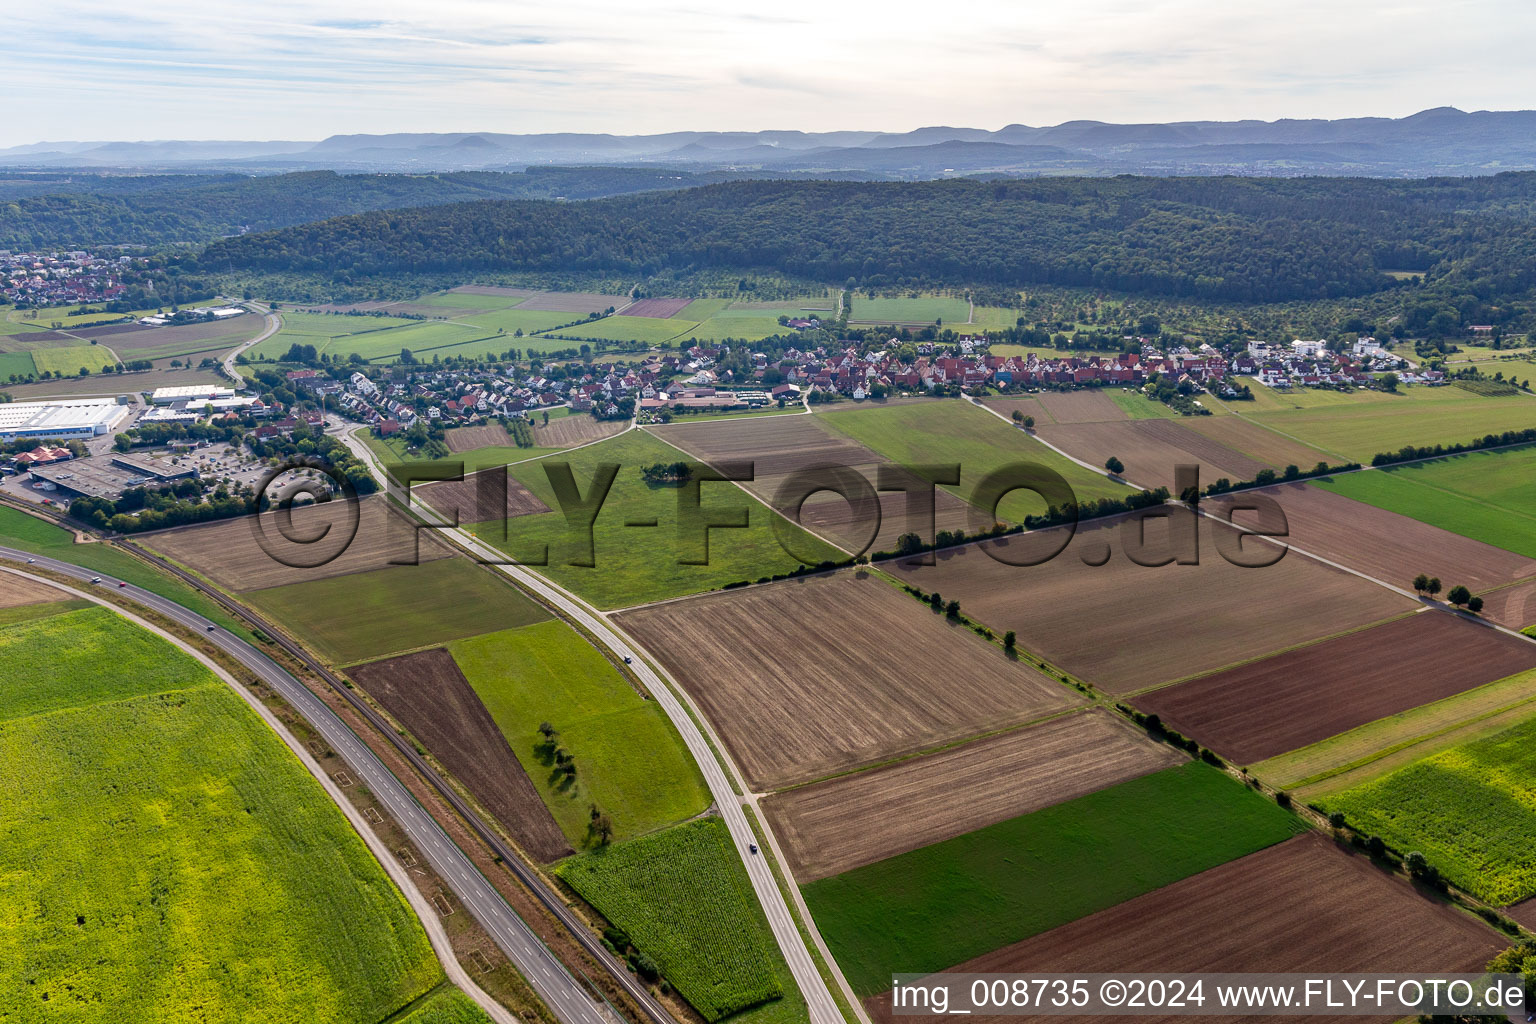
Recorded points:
(656, 308)
(1303, 905)
(843, 823)
(818, 675)
(1124, 626)
(1390, 547)
(502, 291)
(18, 590)
(1294, 699)
(781, 445)
(428, 694)
(1524, 912)
(1259, 443)
(465, 497)
(573, 302)
(1081, 407)
(124, 342)
(465, 439)
(228, 552)
(1150, 450)
(1514, 606)
(574, 429)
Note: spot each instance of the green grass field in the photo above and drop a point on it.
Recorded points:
(638, 565)
(746, 328)
(629, 759)
(163, 856)
(393, 450)
(369, 615)
(946, 431)
(444, 1005)
(1488, 496)
(1139, 407)
(1471, 810)
(321, 329)
(992, 318)
(702, 309)
(466, 300)
(29, 533)
(650, 330)
(1360, 424)
(40, 610)
(938, 906)
(16, 364)
(685, 900)
(529, 321)
(925, 309)
(66, 362)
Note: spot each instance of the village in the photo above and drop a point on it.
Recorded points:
(29, 279)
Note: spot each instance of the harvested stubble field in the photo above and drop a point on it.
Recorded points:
(466, 439)
(846, 822)
(1304, 905)
(428, 694)
(179, 338)
(1124, 626)
(1268, 707)
(1514, 607)
(1260, 443)
(661, 309)
(573, 302)
(780, 445)
(1369, 423)
(1150, 449)
(1081, 407)
(576, 428)
(466, 499)
(819, 675)
(16, 591)
(229, 553)
(1382, 544)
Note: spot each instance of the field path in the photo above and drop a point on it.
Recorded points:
(430, 921)
(546, 974)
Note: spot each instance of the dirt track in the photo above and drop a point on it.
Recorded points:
(808, 677)
(428, 694)
(1294, 699)
(1124, 626)
(1304, 905)
(843, 823)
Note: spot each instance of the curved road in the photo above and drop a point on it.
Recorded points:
(274, 324)
(823, 1009)
(549, 978)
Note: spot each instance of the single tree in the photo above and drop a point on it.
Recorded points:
(1459, 595)
(1433, 586)
(1420, 583)
(1114, 465)
(1018, 417)
(1029, 423)
(1010, 641)
(602, 827)
(1475, 606)
(952, 609)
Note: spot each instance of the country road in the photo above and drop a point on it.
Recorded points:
(548, 977)
(274, 324)
(823, 1009)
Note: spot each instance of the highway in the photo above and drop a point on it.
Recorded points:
(569, 1001)
(823, 1009)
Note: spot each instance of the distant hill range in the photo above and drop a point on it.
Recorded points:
(1442, 141)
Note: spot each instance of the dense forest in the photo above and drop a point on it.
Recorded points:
(1217, 239)
(61, 211)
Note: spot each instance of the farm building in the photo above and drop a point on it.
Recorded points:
(60, 420)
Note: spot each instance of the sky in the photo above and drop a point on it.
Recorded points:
(278, 69)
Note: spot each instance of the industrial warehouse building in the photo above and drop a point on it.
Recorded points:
(191, 393)
(62, 420)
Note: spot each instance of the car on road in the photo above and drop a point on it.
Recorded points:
(211, 627)
(121, 584)
(752, 847)
(95, 579)
(31, 560)
(628, 660)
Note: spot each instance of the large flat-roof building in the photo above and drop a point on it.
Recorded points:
(190, 393)
(65, 419)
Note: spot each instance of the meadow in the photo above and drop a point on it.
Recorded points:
(1471, 810)
(685, 901)
(941, 905)
(67, 362)
(165, 857)
(320, 330)
(923, 309)
(641, 564)
(650, 330)
(630, 761)
(1488, 496)
(946, 432)
(16, 364)
(369, 615)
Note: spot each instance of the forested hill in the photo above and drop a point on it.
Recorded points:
(1235, 239)
(87, 210)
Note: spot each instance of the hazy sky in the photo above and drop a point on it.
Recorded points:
(277, 69)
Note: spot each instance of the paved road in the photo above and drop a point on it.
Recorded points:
(549, 978)
(274, 324)
(823, 1010)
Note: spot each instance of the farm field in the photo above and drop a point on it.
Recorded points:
(1150, 449)
(948, 432)
(445, 1005)
(17, 592)
(1377, 747)
(181, 339)
(578, 428)
(165, 851)
(67, 362)
(659, 309)
(732, 325)
(923, 309)
(1514, 607)
(944, 904)
(1257, 442)
(321, 330)
(529, 321)
(393, 451)
(1471, 810)
(466, 500)
(1295, 699)
(852, 820)
(1081, 407)
(791, 712)
(1370, 422)
(1301, 905)
(1487, 496)
(112, 384)
(1138, 406)
(648, 330)
(580, 303)
(630, 761)
(685, 901)
(428, 694)
(1379, 542)
(368, 615)
(633, 566)
(228, 552)
(16, 364)
(1075, 614)
(783, 445)
(994, 318)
